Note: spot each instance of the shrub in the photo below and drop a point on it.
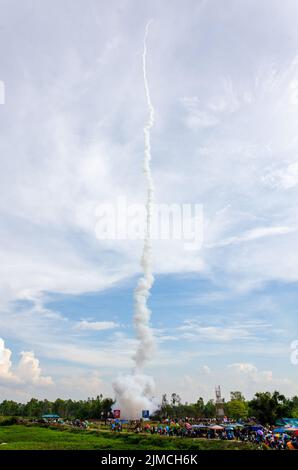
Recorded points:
(9, 421)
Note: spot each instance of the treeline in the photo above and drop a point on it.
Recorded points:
(265, 407)
(96, 408)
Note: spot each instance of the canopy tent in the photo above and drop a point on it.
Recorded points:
(292, 422)
(231, 426)
(283, 429)
(200, 426)
(50, 416)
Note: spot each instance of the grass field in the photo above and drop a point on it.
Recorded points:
(19, 437)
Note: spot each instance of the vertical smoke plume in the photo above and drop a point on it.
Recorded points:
(142, 313)
(134, 392)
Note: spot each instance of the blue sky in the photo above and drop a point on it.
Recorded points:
(224, 84)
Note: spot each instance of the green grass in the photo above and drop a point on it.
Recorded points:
(19, 437)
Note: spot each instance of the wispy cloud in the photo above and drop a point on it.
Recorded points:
(96, 325)
(194, 329)
(255, 234)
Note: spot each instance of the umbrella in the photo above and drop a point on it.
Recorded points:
(188, 426)
(260, 432)
(233, 426)
(216, 427)
(256, 427)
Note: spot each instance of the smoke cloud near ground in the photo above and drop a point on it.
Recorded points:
(134, 393)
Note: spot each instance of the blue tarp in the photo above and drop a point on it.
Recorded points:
(256, 427)
(50, 416)
(292, 421)
(280, 430)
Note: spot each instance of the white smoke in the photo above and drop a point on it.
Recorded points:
(142, 313)
(134, 392)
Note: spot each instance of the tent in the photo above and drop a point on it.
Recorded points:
(50, 416)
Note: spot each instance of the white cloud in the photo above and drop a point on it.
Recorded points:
(206, 369)
(5, 362)
(283, 178)
(193, 330)
(253, 380)
(255, 234)
(28, 370)
(96, 325)
(243, 367)
(250, 378)
(82, 385)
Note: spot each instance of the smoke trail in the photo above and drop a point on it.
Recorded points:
(142, 313)
(134, 392)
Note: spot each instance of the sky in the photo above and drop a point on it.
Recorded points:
(224, 84)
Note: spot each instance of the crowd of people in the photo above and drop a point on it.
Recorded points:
(211, 429)
(77, 423)
(262, 437)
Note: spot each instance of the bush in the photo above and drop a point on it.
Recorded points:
(9, 421)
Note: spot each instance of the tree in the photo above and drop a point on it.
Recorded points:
(237, 396)
(267, 407)
(236, 409)
(59, 407)
(83, 409)
(175, 399)
(210, 409)
(164, 400)
(199, 407)
(294, 407)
